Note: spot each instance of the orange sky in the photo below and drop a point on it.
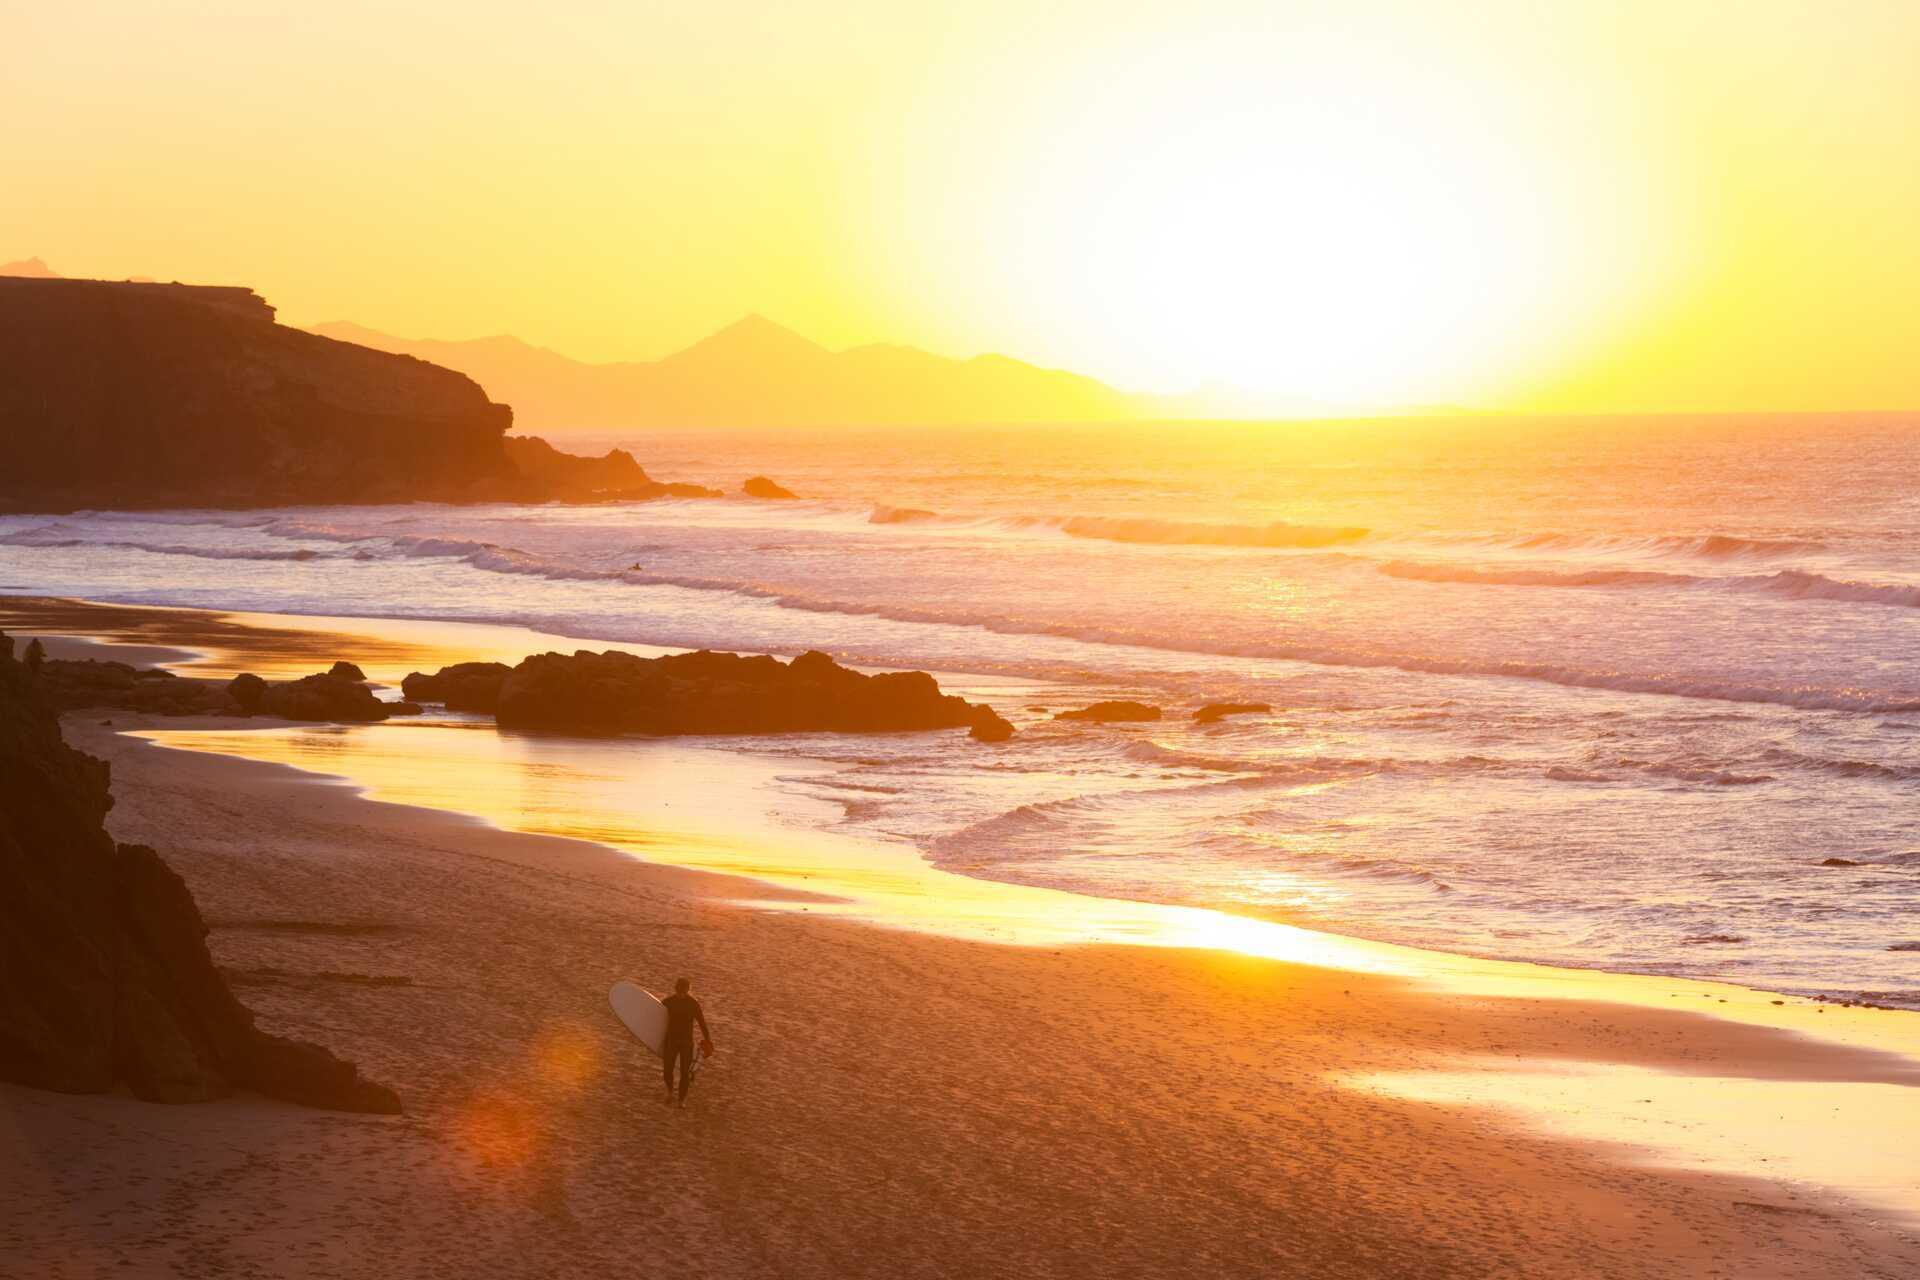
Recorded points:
(1622, 205)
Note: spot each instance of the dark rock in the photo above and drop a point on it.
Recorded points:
(989, 726)
(122, 394)
(323, 697)
(403, 708)
(108, 978)
(465, 686)
(570, 473)
(303, 1072)
(706, 693)
(1838, 862)
(154, 395)
(1905, 946)
(761, 487)
(339, 694)
(570, 477)
(59, 948)
(74, 685)
(1108, 712)
(1217, 710)
(247, 690)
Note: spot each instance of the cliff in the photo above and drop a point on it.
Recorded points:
(105, 977)
(138, 395)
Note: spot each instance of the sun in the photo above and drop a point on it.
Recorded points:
(1310, 222)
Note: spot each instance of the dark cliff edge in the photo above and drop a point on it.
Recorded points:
(105, 976)
(155, 395)
(125, 395)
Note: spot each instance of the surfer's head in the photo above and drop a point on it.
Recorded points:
(680, 987)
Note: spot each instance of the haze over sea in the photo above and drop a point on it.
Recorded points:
(1600, 692)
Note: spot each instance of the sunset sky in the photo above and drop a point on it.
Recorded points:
(1514, 206)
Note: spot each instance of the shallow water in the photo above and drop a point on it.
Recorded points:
(1593, 693)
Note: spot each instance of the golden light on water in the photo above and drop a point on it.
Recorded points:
(708, 809)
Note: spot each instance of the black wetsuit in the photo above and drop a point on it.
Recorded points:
(682, 1013)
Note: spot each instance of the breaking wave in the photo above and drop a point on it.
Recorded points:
(1709, 546)
(1181, 533)
(1422, 572)
(1278, 535)
(366, 543)
(33, 538)
(1794, 584)
(1799, 585)
(1055, 841)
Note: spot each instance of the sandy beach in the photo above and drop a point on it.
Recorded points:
(887, 1100)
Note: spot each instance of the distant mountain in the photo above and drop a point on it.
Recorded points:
(758, 373)
(29, 268)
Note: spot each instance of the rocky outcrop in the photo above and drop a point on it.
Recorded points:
(327, 696)
(569, 477)
(1214, 711)
(340, 694)
(108, 980)
(1110, 712)
(247, 691)
(71, 685)
(762, 487)
(465, 686)
(153, 395)
(700, 693)
(989, 726)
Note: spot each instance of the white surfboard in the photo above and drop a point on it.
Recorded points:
(644, 1015)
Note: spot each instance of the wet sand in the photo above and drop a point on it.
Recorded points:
(887, 1101)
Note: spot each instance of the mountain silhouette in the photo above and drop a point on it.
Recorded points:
(30, 268)
(755, 372)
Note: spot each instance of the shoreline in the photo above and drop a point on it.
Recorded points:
(972, 1106)
(1442, 1029)
(220, 643)
(1860, 1057)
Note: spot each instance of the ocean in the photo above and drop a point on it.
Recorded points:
(1596, 692)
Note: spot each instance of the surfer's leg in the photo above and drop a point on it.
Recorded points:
(685, 1054)
(666, 1068)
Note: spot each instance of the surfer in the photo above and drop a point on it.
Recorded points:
(683, 1011)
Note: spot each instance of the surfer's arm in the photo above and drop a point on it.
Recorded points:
(700, 1017)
